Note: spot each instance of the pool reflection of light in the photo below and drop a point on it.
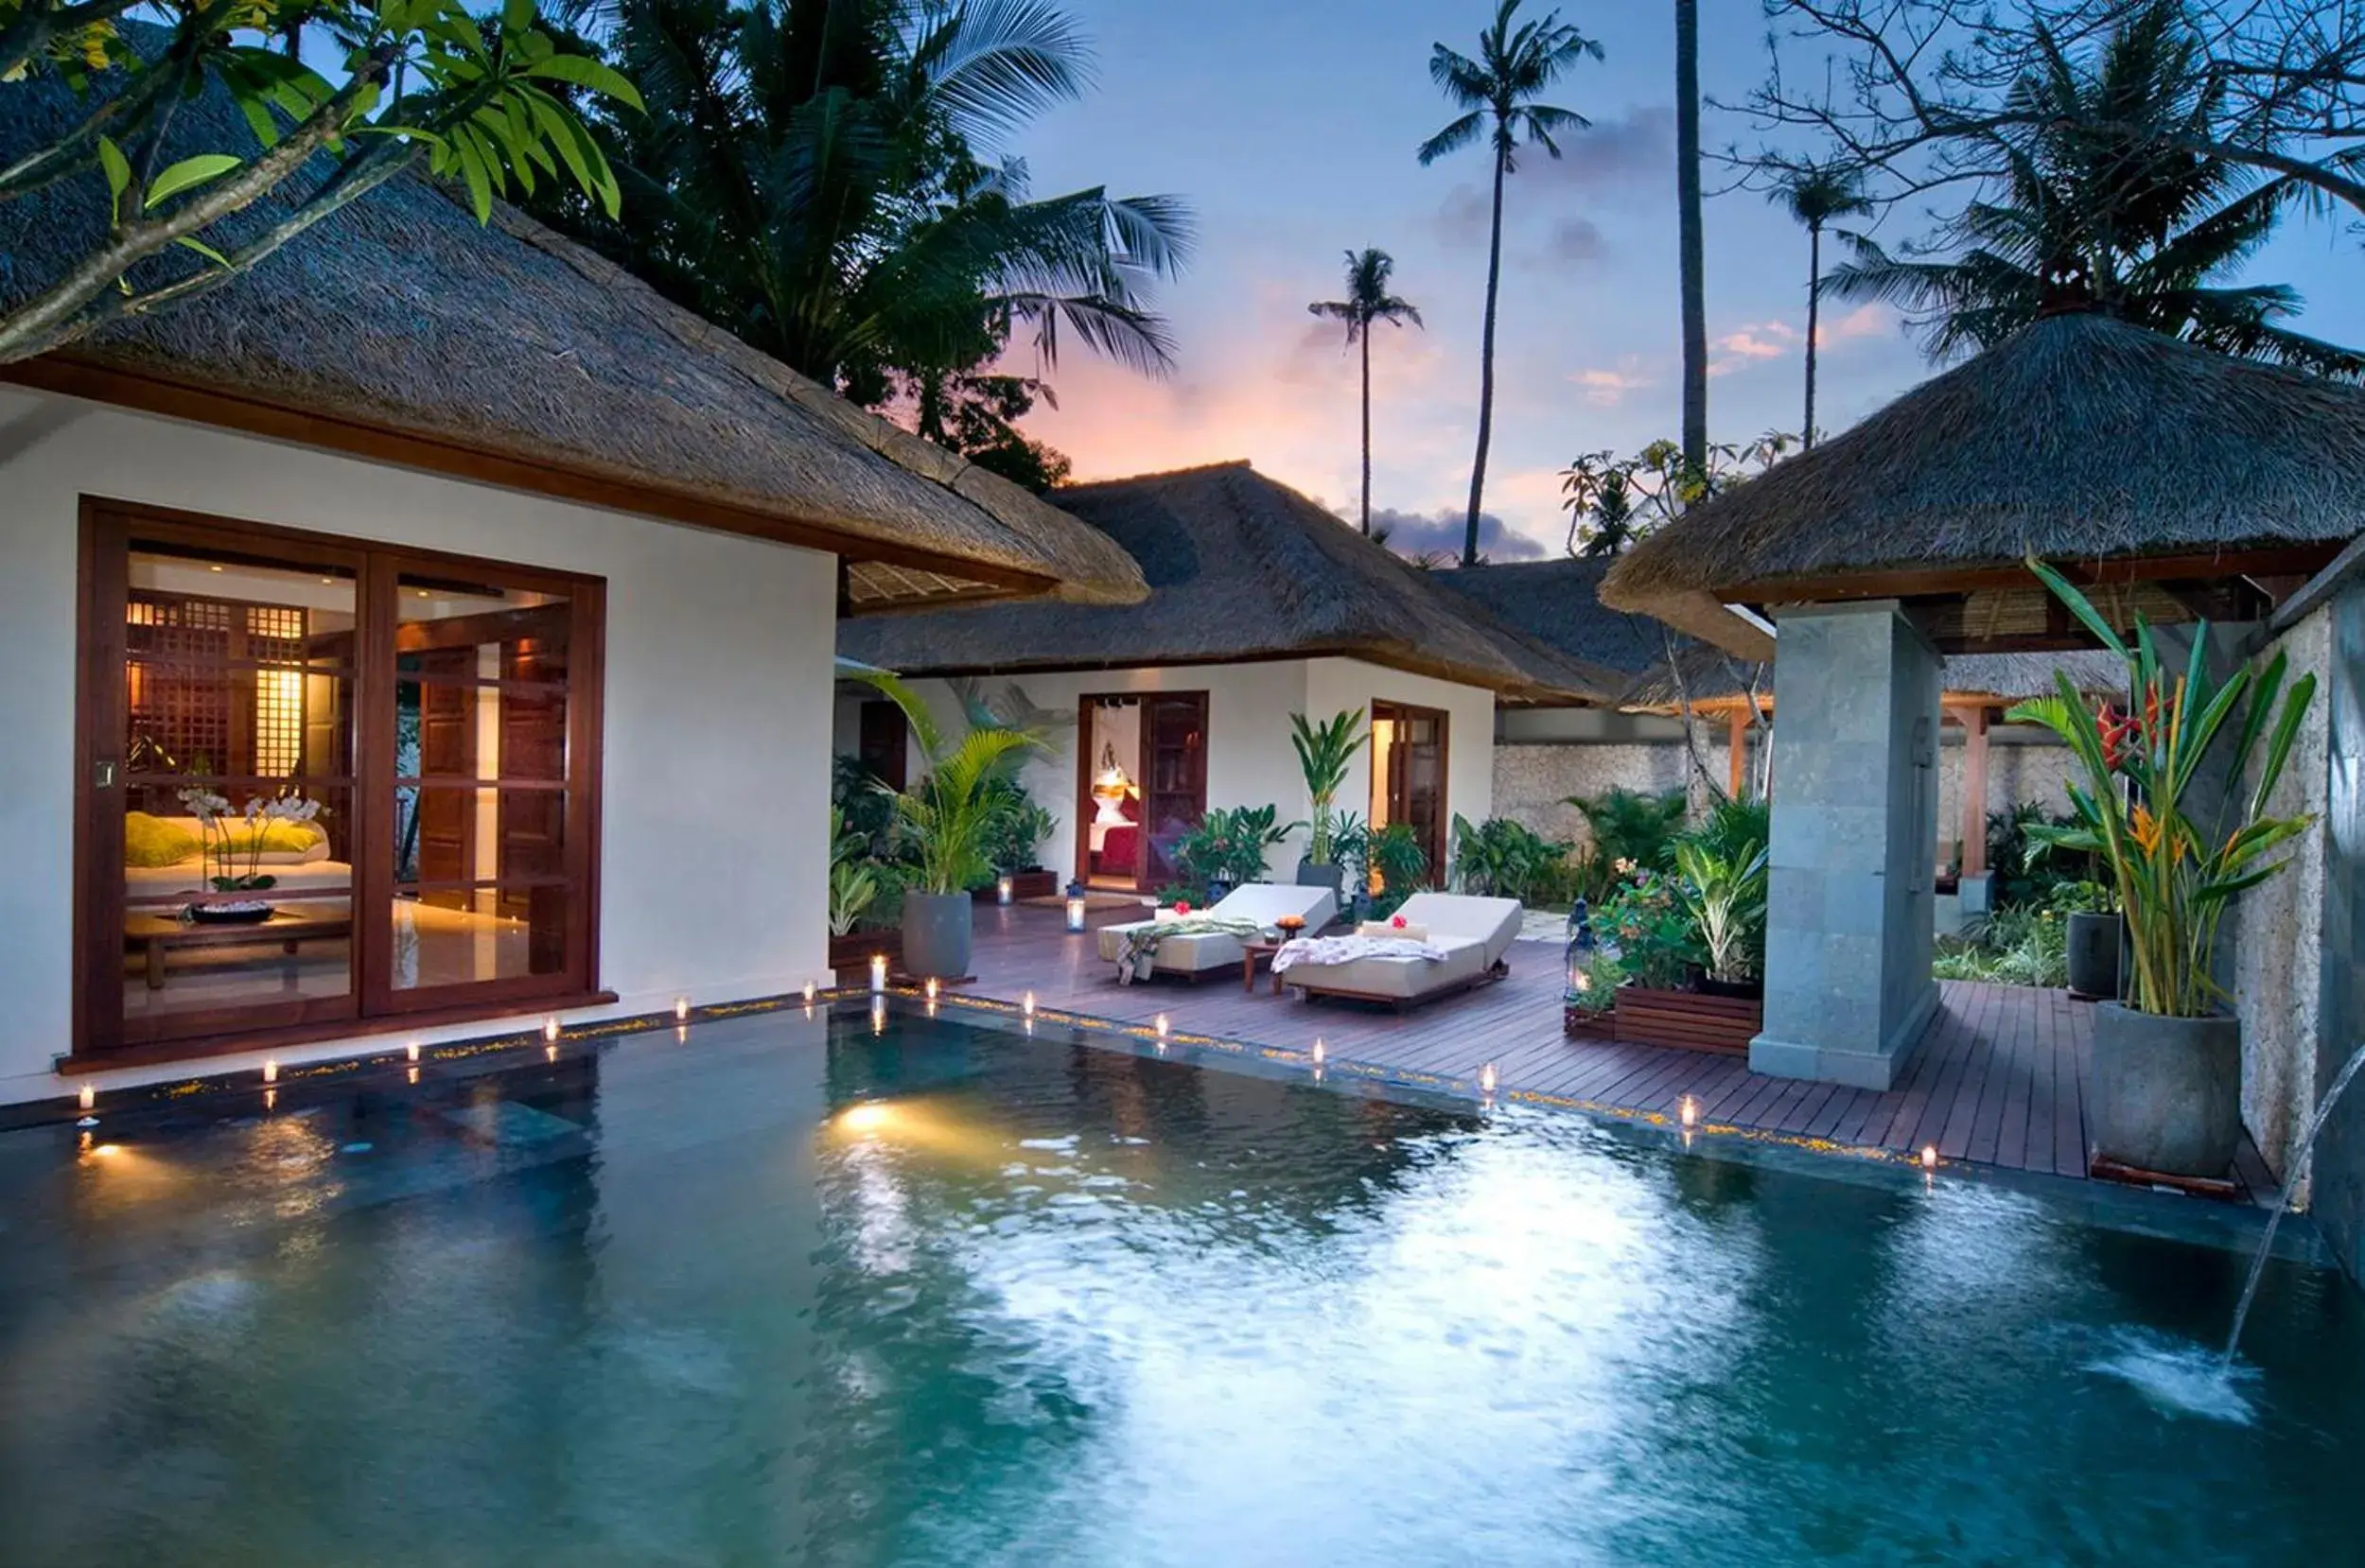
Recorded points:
(867, 1117)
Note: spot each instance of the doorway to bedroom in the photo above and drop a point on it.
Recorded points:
(1141, 784)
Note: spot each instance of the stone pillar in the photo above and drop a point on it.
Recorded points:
(1849, 942)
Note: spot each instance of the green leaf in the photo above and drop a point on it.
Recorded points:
(583, 71)
(176, 177)
(517, 16)
(187, 242)
(119, 170)
(472, 170)
(2078, 607)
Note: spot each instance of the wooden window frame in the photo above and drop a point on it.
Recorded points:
(372, 1003)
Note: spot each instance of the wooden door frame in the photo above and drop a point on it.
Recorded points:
(1440, 827)
(106, 528)
(1141, 769)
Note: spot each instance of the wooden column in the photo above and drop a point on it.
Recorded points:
(1974, 790)
(1736, 750)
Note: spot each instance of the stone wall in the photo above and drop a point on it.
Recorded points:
(2276, 932)
(1533, 782)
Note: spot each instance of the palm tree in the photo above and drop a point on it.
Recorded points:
(818, 177)
(1368, 301)
(1496, 94)
(1816, 193)
(1691, 264)
(2103, 205)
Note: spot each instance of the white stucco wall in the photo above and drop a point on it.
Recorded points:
(718, 695)
(1250, 759)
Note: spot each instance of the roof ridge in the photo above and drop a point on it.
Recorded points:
(1159, 474)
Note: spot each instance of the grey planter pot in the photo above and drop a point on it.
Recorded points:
(936, 934)
(1332, 876)
(2167, 1092)
(2094, 956)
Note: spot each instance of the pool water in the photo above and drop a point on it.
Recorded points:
(794, 1293)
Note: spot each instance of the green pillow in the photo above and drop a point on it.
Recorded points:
(153, 842)
(279, 838)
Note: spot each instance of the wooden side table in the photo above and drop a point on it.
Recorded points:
(159, 933)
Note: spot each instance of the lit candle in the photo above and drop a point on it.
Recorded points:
(1690, 1111)
(90, 1097)
(931, 987)
(411, 1051)
(1929, 1157)
(1486, 1079)
(1002, 891)
(550, 1029)
(271, 1073)
(1075, 914)
(878, 973)
(1321, 1052)
(681, 1009)
(808, 993)
(1162, 1026)
(1026, 1004)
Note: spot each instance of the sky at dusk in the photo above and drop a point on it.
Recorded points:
(1290, 126)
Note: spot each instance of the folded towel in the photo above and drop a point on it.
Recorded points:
(1347, 949)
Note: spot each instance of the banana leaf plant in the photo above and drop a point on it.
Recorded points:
(950, 814)
(1324, 752)
(1724, 889)
(2174, 874)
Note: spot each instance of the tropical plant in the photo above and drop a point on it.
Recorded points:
(1497, 94)
(1501, 859)
(1632, 831)
(1724, 885)
(1815, 194)
(2106, 201)
(2174, 874)
(1019, 826)
(2010, 946)
(485, 103)
(1350, 849)
(1593, 986)
(1597, 492)
(949, 816)
(824, 180)
(2027, 868)
(1228, 844)
(1657, 938)
(862, 807)
(1368, 303)
(854, 881)
(1690, 244)
(1324, 753)
(1399, 859)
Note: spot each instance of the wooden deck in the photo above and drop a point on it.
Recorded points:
(1997, 1078)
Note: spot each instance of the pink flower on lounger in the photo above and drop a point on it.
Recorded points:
(1396, 921)
(1182, 906)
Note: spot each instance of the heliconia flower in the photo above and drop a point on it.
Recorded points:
(2144, 828)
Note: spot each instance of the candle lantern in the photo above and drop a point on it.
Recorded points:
(878, 973)
(1003, 890)
(1075, 912)
(1578, 953)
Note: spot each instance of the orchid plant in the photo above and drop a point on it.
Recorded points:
(223, 846)
(2174, 874)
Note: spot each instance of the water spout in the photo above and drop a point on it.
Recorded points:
(2298, 1171)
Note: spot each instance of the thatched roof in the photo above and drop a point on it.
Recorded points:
(402, 329)
(2079, 439)
(1241, 568)
(1558, 603)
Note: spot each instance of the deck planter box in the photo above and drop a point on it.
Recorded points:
(1692, 1019)
(849, 955)
(2167, 1092)
(1588, 1023)
(937, 931)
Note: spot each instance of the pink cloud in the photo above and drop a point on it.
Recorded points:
(1865, 321)
(1606, 387)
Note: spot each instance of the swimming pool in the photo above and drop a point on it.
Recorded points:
(792, 1292)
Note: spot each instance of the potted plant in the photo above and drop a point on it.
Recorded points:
(2094, 936)
(1588, 1007)
(1324, 753)
(233, 846)
(2167, 1094)
(1021, 827)
(1723, 878)
(1226, 847)
(1659, 949)
(947, 817)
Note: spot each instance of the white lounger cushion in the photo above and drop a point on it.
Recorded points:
(1261, 902)
(1475, 934)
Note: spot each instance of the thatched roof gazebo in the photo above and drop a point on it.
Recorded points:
(2169, 478)
(2166, 478)
(402, 330)
(1240, 568)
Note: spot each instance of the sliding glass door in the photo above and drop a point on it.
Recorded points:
(323, 782)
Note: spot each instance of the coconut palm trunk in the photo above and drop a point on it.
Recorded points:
(1814, 317)
(1692, 262)
(1367, 433)
(1486, 366)
(1368, 303)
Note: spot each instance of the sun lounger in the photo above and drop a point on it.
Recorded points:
(1202, 952)
(1469, 936)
